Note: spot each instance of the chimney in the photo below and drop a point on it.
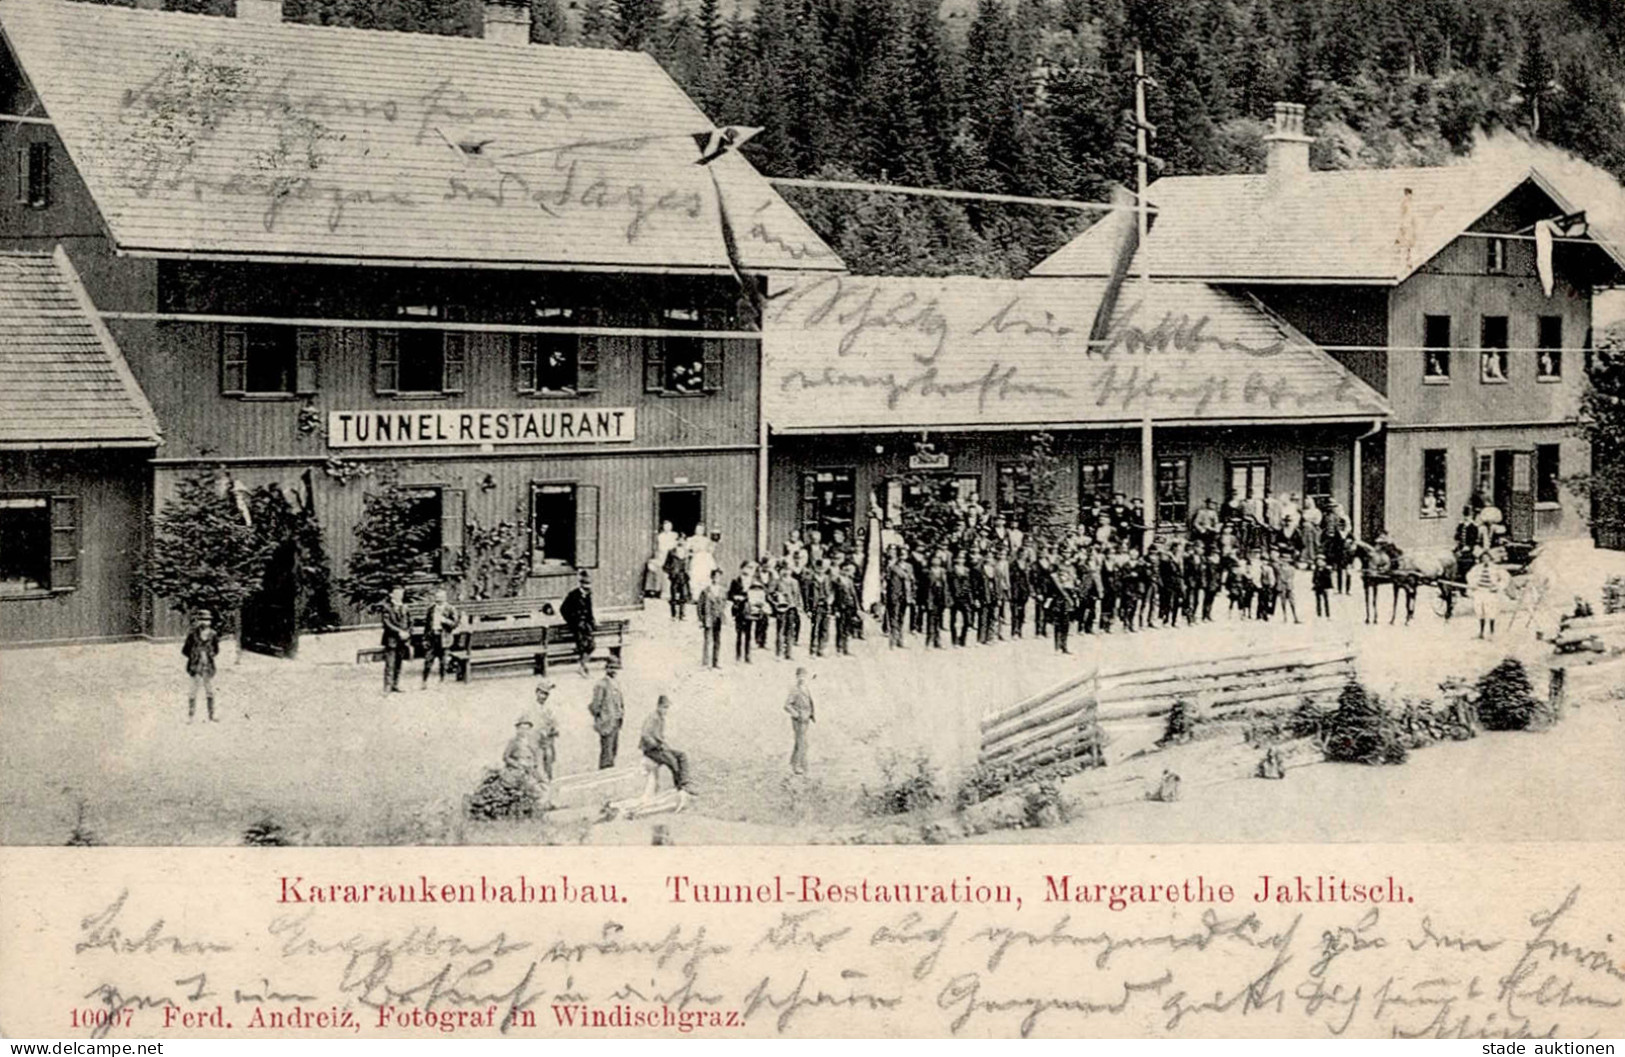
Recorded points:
(259, 11)
(507, 22)
(1288, 146)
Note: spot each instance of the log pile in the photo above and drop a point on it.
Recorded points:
(1054, 726)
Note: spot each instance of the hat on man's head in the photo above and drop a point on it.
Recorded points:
(204, 614)
(613, 664)
(524, 721)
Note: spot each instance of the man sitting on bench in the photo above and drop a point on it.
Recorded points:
(654, 746)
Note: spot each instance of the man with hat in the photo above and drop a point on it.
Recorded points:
(608, 710)
(439, 625)
(519, 770)
(800, 707)
(547, 728)
(397, 638)
(577, 614)
(655, 747)
(201, 646)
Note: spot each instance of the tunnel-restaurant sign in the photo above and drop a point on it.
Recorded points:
(481, 426)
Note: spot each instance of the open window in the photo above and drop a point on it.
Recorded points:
(1095, 484)
(1548, 473)
(679, 365)
(557, 364)
(1435, 483)
(435, 517)
(270, 360)
(1317, 478)
(563, 527)
(419, 361)
(39, 544)
(1492, 350)
(1549, 349)
(1436, 350)
(829, 501)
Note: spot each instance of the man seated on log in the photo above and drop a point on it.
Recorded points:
(655, 747)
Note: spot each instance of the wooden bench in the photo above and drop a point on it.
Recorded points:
(473, 614)
(608, 641)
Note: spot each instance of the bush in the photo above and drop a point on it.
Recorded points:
(1042, 806)
(1506, 699)
(1360, 731)
(1181, 724)
(205, 553)
(393, 546)
(905, 789)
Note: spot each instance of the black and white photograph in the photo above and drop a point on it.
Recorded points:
(811, 422)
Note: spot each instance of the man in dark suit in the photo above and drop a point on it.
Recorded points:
(935, 601)
(712, 608)
(608, 710)
(844, 603)
(1020, 591)
(815, 592)
(900, 584)
(397, 638)
(961, 603)
(577, 613)
(739, 600)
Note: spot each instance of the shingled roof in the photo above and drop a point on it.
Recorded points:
(1356, 226)
(198, 134)
(878, 354)
(63, 381)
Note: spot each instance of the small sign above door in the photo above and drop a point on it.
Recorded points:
(936, 460)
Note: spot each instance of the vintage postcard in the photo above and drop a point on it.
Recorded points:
(811, 518)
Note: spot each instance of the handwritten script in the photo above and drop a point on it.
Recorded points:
(764, 970)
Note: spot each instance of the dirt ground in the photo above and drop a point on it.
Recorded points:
(96, 737)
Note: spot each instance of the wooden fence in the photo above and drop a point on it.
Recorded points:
(1107, 714)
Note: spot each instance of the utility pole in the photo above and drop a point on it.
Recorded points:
(1142, 158)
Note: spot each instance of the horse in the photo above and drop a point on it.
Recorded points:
(1376, 568)
(1385, 562)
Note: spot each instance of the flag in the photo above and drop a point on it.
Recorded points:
(719, 141)
(1126, 236)
(1543, 254)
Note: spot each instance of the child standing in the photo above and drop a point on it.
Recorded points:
(201, 647)
(1322, 583)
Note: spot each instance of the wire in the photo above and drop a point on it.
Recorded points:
(937, 192)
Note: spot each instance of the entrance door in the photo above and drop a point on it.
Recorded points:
(683, 507)
(271, 616)
(1520, 499)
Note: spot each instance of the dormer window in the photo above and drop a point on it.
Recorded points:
(1495, 256)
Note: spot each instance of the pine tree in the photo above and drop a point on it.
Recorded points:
(710, 22)
(636, 23)
(547, 23)
(597, 25)
(392, 546)
(205, 554)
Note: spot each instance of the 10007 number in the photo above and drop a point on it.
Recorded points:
(102, 1018)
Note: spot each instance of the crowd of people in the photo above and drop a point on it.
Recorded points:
(983, 577)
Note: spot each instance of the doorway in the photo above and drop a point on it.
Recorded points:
(683, 507)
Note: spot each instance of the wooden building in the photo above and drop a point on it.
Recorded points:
(512, 277)
(874, 388)
(1463, 294)
(76, 434)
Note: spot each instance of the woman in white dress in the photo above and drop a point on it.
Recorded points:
(703, 560)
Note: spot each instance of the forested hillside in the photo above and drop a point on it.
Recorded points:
(1032, 97)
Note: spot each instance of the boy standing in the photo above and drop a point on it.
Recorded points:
(201, 647)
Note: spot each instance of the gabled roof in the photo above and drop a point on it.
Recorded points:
(878, 354)
(197, 134)
(1351, 226)
(63, 381)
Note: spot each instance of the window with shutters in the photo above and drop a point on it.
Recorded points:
(39, 545)
(421, 361)
(563, 526)
(677, 365)
(435, 518)
(269, 360)
(557, 364)
(34, 175)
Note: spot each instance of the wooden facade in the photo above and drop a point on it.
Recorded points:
(1286, 459)
(99, 502)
